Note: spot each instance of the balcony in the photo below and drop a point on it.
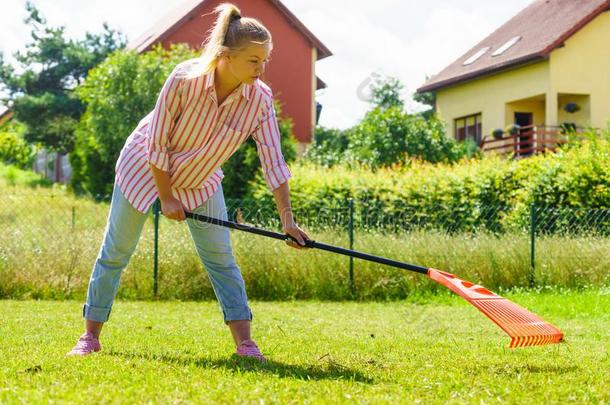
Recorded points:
(529, 140)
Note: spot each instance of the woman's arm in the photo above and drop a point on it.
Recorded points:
(161, 126)
(170, 206)
(289, 225)
(268, 143)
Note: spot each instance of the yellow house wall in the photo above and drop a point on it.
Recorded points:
(489, 95)
(582, 66)
(583, 117)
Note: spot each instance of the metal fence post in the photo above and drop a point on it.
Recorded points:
(351, 244)
(156, 215)
(532, 244)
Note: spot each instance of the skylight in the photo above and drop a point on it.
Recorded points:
(476, 56)
(506, 45)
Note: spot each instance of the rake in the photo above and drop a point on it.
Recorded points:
(523, 327)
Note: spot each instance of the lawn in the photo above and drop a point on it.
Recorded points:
(435, 350)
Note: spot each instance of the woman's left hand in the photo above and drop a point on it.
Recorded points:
(296, 232)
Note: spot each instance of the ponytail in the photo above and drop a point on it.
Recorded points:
(230, 33)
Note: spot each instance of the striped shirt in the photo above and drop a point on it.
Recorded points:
(190, 136)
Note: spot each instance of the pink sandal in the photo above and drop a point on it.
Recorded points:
(248, 348)
(86, 344)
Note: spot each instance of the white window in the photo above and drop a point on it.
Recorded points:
(506, 45)
(476, 56)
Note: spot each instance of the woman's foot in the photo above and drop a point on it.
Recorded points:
(248, 348)
(86, 344)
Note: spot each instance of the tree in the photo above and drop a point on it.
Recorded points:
(42, 95)
(427, 98)
(117, 93)
(388, 136)
(385, 92)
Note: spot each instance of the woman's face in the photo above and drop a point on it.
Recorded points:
(249, 64)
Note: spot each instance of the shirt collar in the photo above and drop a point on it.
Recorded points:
(245, 88)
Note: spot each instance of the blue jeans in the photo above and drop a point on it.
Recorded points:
(213, 246)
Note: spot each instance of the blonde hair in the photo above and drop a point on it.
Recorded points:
(231, 33)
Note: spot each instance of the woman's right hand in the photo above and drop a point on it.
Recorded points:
(172, 209)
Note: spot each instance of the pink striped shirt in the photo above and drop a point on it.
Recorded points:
(190, 136)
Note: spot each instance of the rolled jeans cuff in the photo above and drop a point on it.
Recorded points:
(237, 314)
(96, 314)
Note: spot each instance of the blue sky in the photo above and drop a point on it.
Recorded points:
(408, 39)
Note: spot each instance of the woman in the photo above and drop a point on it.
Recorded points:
(206, 109)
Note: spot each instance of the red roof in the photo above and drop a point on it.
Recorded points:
(542, 27)
(188, 9)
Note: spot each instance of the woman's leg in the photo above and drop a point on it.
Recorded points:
(213, 245)
(121, 237)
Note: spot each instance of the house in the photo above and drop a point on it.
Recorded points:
(291, 74)
(5, 115)
(545, 70)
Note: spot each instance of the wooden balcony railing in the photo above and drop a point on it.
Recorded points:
(529, 140)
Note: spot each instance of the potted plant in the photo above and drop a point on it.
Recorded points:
(571, 108)
(513, 129)
(498, 133)
(567, 127)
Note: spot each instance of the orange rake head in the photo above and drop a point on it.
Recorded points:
(524, 328)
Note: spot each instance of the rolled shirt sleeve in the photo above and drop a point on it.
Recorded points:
(161, 126)
(267, 138)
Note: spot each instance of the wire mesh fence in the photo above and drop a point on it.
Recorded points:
(51, 239)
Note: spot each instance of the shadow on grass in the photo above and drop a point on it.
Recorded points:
(512, 370)
(531, 369)
(328, 370)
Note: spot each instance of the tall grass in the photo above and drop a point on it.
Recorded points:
(49, 241)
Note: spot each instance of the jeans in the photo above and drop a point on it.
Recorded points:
(212, 242)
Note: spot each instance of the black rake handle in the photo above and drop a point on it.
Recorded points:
(308, 243)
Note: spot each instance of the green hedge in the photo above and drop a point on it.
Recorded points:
(455, 197)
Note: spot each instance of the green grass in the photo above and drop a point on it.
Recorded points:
(437, 351)
(11, 176)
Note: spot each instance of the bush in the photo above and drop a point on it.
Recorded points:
(577, 176)
(455, 197)
(118, 93)
(388, 136)
(329, 146)
(14, 150)
(413, 196)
